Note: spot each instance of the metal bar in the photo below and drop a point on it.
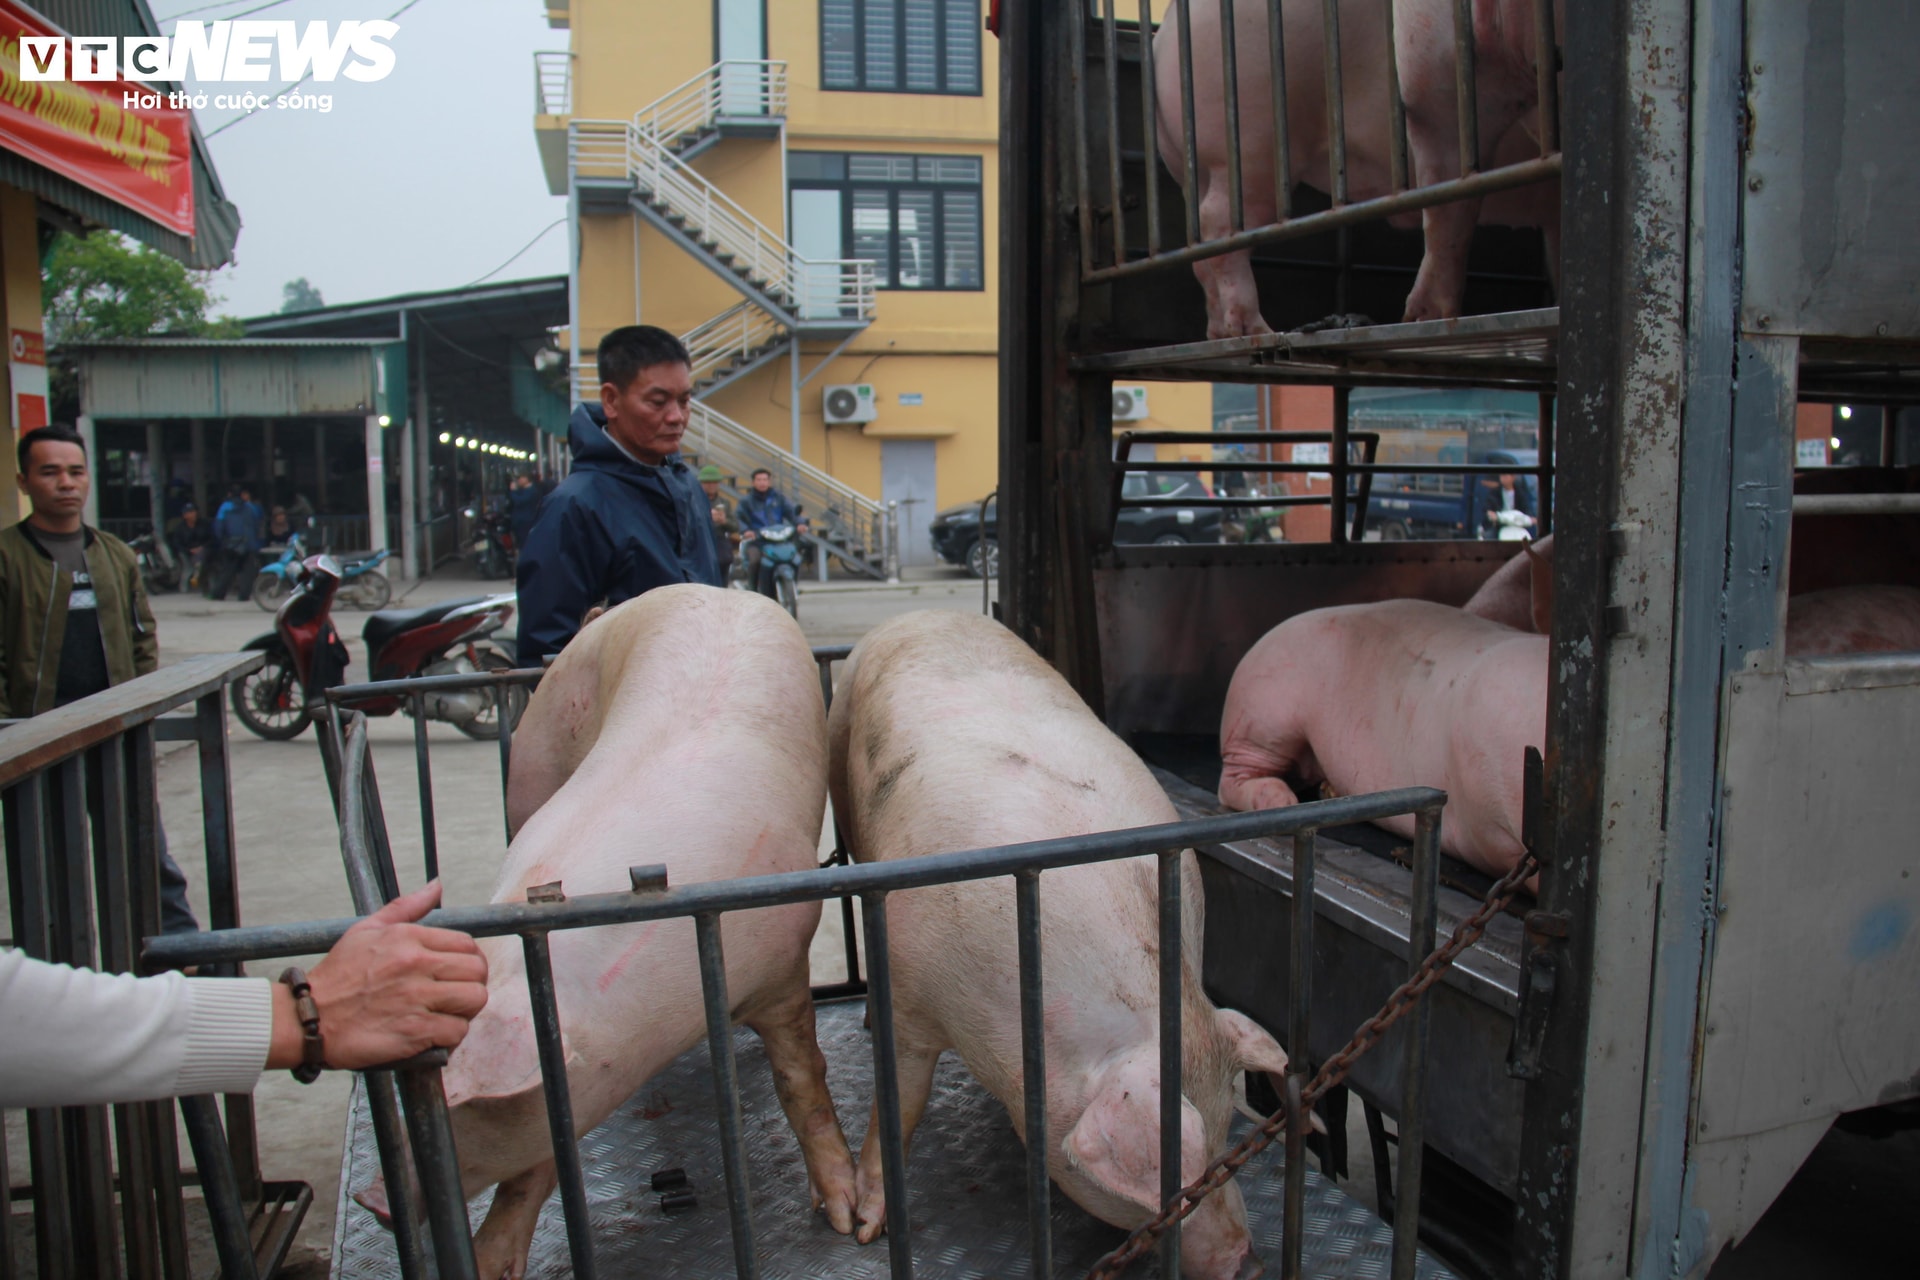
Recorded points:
(119, 927)
(1546, 58)
(1463, 87)
(1336, 101)
(1033, 1071)
(1188, 133)
(817, 884)
(1480, 184)
(726, 1093)
(1282, 146)
(1082, 182)
(1294, 1206)
(430, 1134)
(886, 1086)
(219, 1183)
(1170, 1077)
(1364, 497)
(163, 1139)
(503, 713)
(1339, 462)
(423, 769)
(407, 1215)
(1544, 439)
(1299, 1037)
(1396, 106)
(350, 693)
(374, 823)
(1150, 127)
(1856, 504)
(553, 1078)
(1114, 190)
(1230, 64)
(1416, 1028)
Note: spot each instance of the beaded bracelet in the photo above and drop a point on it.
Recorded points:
(313, 1049)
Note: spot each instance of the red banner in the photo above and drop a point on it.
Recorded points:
(114, 137)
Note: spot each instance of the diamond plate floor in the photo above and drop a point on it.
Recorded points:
(966, 1173)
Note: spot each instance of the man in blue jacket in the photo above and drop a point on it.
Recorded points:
(630, 517)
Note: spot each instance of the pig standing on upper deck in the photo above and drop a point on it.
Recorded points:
(1506, 96)
(949, 733)
(632, 752)
(1401, 693)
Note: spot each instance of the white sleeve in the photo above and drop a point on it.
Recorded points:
(74, 1037)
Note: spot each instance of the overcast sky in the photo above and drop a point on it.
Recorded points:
(425, 180)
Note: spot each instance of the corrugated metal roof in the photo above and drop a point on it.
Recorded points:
(202, 378)
(103, 344)
(216, 219)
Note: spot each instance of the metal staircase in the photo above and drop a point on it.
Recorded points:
(642, 165)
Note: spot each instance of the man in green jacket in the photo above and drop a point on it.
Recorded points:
(74, 618)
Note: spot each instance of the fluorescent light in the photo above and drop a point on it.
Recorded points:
(1846, 411)
(385, 421)
(460, 443)
(445, 436)
(1835, 442)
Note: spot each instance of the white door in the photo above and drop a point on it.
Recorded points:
(815, 228)
(743, 38)
(907, 477)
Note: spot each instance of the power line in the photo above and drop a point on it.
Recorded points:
(522, 249)
(297, 83)
(208, 8)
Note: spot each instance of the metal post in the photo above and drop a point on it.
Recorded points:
(1337, 461)
(502, 695)
(222, 1189)
(407, 1213)
(1282, 147)
(429, 836)
(886, 1086)
(726, 1092)
(1543, 440)
(1170, 1056)
(376, 485)
(84, 425)
(793, 394)
(223, 899)
(891, 557)
(553, 1077)
(1149, 127)
(1299, 1038)
(409, 504)
(157, 487)
(1416, 1027)
(1033, 1071)
(431, 1135)
(197, 442)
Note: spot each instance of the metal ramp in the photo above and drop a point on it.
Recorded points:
(966, 1173)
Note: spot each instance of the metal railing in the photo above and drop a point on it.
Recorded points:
(739, 333)
(83, 843)
(734, 87)
(553, 83)
(1402, 195)
(437, 1219)
(838, 511)
(813, 288)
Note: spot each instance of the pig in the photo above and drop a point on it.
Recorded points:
(1862, 619)
(1398, 693)
(1520, 592)
(1423, 41)
(949, 733)
(633, 751)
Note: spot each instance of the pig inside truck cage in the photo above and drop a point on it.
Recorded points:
(953, 1229)
(1723, 956)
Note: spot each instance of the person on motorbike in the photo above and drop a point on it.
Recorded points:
(763, 508)
(1504, 494)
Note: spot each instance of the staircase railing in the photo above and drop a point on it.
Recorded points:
(837, 510)
(553, 83)
(731, 88)
(740, 331)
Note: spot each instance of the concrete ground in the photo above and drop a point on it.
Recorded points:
(1835, 1219)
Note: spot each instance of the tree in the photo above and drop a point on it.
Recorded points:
(103, 285)
(300, 296)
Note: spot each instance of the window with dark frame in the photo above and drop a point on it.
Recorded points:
(900, 46)
(917, 218)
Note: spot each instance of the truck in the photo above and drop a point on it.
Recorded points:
(1721, 960)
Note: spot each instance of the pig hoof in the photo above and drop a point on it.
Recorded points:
(373, 1199)
(839, 1203)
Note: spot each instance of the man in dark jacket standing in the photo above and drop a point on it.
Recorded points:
(74, 619)
(630, 516)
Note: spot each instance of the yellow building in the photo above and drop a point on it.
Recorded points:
(808, 193)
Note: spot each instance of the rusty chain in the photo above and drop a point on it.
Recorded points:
(1331, 1073)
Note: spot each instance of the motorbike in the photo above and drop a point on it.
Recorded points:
(493, 549)
(362, 586)
(158, 572)
(780, 565)
(1515, 526)
(305, 657)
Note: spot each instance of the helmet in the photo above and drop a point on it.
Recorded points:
(710, 472)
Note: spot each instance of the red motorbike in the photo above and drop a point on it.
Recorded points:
(305, 657)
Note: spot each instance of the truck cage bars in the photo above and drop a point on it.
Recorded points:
(408, 1108)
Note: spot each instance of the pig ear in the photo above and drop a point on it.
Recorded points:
(1253, 1048)
(1116, 1143)
(1541, 563)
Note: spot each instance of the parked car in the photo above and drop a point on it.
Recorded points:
(959, 536)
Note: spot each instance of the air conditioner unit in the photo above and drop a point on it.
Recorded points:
(1129, 404)
(851, 402)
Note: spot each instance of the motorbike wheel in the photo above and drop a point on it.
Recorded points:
(370, 591)
(270, 702)
(788, 594)
(486, 726)
(269, 589)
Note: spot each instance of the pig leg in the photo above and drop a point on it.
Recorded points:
(1233, 299)
(916, 1064)
(1442, 281)
(500, 1247)
(800, 1078)
(1254, 755)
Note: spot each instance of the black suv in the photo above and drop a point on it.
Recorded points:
(958, 537)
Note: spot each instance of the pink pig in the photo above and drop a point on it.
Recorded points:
(949, 733)
(1402, 693)
(632, 752)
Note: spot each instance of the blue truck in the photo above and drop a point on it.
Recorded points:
(1423, 506)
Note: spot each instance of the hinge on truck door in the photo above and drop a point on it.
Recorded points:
(1546, 932)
